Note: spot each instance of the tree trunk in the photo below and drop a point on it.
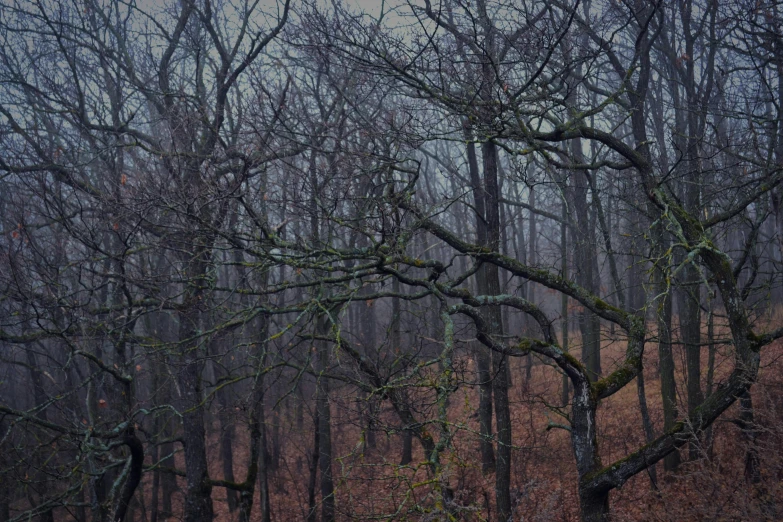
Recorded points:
(564, 297)
(226, 449)
(407, 447)
(584, 255)
(649, 434)
(594, 504)
(258, 465)
(749, 432)
(711, 349)
(690, 312)
(154, 450)
(198, 497)
(482, 358)
(7, 485)
(665, 356)
(532, 260)
(312, 514)
(494, 317)
(40, 398)
(690, 328)
(324, 426)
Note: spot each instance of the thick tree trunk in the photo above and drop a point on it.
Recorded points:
(594, 506)
(198, 497)
(594, 503)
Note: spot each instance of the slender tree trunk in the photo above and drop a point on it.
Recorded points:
(258, 466)
(312, 514)
(154, 451)
(7, 485)
(649, 433)
(407, 447)
(661, 281)
(483, 362)
(690, 311)
(584, 256)
(133, 479)
(532, 260)
(368, 342)
(749, 432)
(396, 339)
(226, 449)
(494, 316)
(324, 426)
(665, 356)
(39, 397)
(168, 481)
(690, 328)
(711, 349)
(563, 296)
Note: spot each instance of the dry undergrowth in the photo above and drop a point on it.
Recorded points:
(371, 484)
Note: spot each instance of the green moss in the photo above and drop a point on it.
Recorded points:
(757, 342)
(616, 378)
(525, 345)
(589, 477)
(603, 305)
(573, 361)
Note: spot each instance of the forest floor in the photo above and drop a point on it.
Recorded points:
(369, 481)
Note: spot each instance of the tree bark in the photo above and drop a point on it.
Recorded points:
(532, 261)
(564, 297)
(312, 514)
(749, 434)
(258, 466)
(495, 320)
(324, 426)
(483, 362)
(665, 356)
